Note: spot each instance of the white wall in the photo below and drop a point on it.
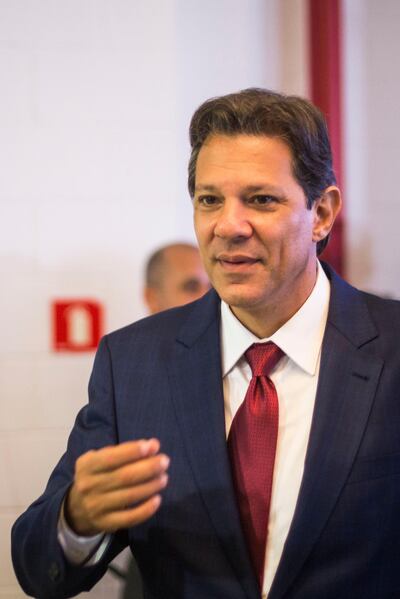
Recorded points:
(94, 108)
(372, 143)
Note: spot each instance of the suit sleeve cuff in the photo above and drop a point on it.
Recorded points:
(78, 550)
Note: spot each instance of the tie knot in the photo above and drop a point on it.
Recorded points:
(262, 357)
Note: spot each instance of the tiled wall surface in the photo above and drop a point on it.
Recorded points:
(371, 144)
(94, 108)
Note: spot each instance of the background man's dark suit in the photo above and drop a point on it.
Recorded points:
(161, 377)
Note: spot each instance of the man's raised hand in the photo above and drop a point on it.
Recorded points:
(116, 487)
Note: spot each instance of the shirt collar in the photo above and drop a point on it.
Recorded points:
(307, 324)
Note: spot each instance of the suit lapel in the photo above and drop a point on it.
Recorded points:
(349, 375)
(196, 383)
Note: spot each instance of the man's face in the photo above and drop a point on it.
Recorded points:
(184, 280)
(255, 233)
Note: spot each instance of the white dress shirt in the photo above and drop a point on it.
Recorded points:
(295, 378)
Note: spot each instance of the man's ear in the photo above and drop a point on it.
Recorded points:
(150, 296)
(325, 209)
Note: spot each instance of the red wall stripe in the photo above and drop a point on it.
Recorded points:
(326, 93)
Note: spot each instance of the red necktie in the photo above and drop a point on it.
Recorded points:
(252, 446)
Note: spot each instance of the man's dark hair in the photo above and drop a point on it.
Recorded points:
(292, 119)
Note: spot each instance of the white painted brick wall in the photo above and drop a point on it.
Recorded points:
(94, 109)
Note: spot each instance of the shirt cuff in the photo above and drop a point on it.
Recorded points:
(80, 551)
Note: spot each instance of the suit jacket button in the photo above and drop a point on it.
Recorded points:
(54, 572)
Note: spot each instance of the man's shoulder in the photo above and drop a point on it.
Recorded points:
(384, 309)
(376, 302)
(167, 325)
(344, 288)
(359, 310)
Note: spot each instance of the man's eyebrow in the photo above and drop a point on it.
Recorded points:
(201, 187)
(261, 188)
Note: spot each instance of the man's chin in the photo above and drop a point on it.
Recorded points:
(240, 298)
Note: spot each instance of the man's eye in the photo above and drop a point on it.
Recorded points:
(262, 200)
(207, 200)
(191, 285)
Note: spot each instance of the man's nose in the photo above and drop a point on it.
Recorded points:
(232, 221)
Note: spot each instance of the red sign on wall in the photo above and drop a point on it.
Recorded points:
(77, 325)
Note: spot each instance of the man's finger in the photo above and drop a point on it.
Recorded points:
(109, 458)
(128, 475)
(130, 517)
(121, 499)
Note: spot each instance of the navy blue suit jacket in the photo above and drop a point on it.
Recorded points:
(162, 377)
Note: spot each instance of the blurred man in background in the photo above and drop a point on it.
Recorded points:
(174, 276)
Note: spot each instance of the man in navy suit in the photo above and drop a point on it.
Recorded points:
(147, 461)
